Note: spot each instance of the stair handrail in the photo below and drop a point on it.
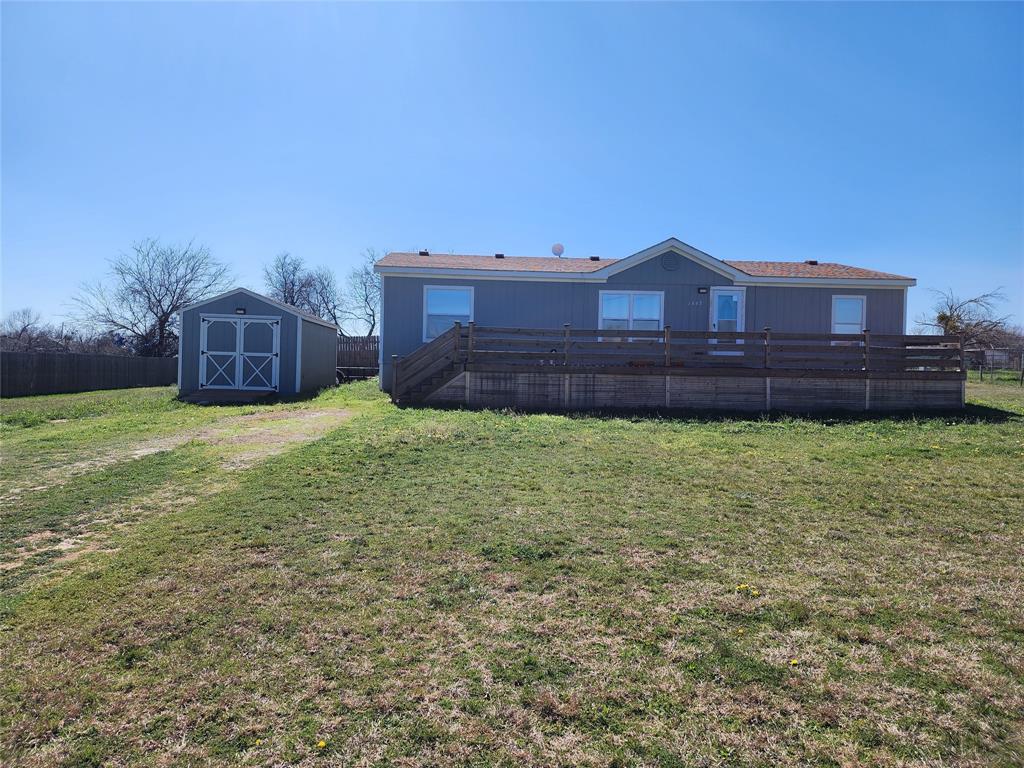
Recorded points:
(406, 370)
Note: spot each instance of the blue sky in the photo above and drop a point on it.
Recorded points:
(883, 135)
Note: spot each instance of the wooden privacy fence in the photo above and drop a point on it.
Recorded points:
(669, 353)
(358, 351)
(47, 373)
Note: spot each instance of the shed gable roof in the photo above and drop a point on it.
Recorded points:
(541, 267)
(259, 296)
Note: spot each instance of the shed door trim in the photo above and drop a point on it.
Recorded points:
(238, 369)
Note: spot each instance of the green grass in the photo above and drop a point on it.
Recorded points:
(998, 376)
(423, 587)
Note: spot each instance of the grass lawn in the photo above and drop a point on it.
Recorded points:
(341, 582)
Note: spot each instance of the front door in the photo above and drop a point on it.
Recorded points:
(239, 352)
(727, 312)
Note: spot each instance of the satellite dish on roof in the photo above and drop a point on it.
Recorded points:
(558, 249)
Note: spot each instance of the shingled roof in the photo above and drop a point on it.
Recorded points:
(797, 269)
(808, 269)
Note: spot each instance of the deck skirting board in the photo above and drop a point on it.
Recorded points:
(588, 390)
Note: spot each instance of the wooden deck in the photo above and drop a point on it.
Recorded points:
(582, 369)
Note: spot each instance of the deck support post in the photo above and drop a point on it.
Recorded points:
(767, 346)
(469, 343)
(867, 367)
(668, 346)
(768, 393)
(565, 330)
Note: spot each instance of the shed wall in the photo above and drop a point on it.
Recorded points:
(319, 357)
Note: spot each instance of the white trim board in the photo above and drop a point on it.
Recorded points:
(298, 357)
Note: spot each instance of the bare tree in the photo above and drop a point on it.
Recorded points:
(361, 295)
(23, 330)
(287, 280)
(974, 319)
(148, 286)
(324, 298)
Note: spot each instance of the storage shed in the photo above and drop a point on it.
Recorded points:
(243, 342)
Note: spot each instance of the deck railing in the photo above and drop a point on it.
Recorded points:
(668, 351)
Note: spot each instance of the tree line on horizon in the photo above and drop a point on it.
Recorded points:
(134, 311)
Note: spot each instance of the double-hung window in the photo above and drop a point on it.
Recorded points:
(632, 310)
(849, 314)
(443, 306)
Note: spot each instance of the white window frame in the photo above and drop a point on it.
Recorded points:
(428, 288)
(863, 310)
(629, 318)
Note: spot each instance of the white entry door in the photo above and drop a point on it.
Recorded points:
(239, 352)
(728, 309)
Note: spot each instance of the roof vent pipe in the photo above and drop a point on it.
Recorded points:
(812, 262)
(595, 258)
(499, 255)
(424, 253)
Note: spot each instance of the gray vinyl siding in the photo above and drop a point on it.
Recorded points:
(543, 304)
(792, 308)
(319, 357)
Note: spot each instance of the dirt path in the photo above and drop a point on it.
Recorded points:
(253, 437)
(247, 440)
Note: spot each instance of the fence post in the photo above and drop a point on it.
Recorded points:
(458, 338)
(565, 343)
(469, 343)
(668, 346)
(767, 346)
(394, 377)
(867, 355)
(963, 355)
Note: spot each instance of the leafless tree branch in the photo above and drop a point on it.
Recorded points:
(148, 286)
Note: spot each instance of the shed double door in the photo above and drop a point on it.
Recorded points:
(239, 352)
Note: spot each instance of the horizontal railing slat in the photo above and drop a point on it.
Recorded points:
(670, 350)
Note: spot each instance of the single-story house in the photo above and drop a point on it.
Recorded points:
(242, 342)
(668, 284)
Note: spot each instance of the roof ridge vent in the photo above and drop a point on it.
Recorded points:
(424, 253)
(812, 262)
(499, 255)
(595, 258)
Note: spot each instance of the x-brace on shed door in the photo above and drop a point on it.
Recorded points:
(239, 352)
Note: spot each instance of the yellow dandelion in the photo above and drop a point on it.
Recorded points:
(258, 742)
(755, 592)
(321, 744)
(740, 631)
(793, 662)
